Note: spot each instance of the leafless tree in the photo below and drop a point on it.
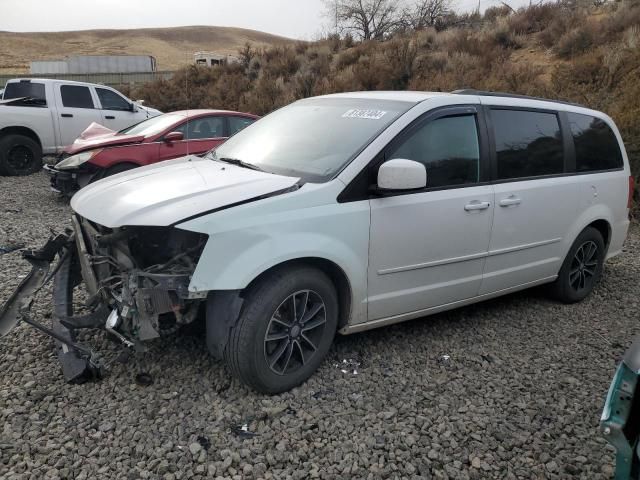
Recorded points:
(425, 13)
(365, 19)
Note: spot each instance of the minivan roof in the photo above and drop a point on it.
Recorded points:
(483, 97)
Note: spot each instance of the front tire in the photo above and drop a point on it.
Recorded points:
(19, 155)
(582, 268)
(285, 329)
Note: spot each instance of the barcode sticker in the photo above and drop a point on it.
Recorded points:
(366, 114)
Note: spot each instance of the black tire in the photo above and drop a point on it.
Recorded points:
(19, 155)
(581, 269)
(250, 352)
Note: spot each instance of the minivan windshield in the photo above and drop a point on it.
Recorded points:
(153, 126)
(312, 139)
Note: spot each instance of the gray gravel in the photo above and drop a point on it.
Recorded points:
(519, 396)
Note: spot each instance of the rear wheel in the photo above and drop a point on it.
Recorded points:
(19, 155)
(284, 331)
(582, 268)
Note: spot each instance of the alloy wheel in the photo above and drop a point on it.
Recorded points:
(584, 266)
(294, 332)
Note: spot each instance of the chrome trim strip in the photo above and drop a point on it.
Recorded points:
(524, 247)
(466, 258)
(435, 263)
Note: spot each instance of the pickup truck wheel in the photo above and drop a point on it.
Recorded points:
(19, 155)
(581, 269)
(285, 329)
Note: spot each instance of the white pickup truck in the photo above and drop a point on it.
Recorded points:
(41, 116)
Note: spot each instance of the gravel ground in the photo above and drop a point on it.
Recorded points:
(519, 397)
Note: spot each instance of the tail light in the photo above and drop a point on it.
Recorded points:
(632, 187)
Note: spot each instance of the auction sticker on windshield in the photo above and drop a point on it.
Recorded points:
(367, 114)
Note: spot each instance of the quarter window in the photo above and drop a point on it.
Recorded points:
(528, 144)
(75, 96)
(596, 145)
(449, 149)
(112, 101)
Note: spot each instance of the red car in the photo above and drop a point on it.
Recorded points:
(100, 152)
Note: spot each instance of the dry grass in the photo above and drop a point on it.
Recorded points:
(172, 47)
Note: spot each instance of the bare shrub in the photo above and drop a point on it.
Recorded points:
(574, 43)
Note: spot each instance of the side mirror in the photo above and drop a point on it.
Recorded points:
(402, 174)
(133, 107)
(173, 137)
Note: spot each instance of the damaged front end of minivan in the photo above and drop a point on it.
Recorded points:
(136, 282)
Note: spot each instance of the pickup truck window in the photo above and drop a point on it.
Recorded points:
(34, 92)
(112, 101)
(75, 96)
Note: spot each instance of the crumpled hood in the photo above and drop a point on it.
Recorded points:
(99, 136)
(168, 192)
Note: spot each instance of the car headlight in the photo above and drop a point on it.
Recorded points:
(75, 161)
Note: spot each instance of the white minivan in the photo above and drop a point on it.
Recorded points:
(347, 212)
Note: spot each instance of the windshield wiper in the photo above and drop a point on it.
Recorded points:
(239, 163)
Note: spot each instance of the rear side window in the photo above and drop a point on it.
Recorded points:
(34, 93)
(239, 123)
(75, 96)
(528, 144)
(596, 145)
(449, 149)
(112, 101)
(201, 128)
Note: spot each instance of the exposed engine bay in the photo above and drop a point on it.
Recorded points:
(141, 274)
(137, 285)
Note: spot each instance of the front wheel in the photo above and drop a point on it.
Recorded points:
(285, 329)
(19, 155)
(582, 268)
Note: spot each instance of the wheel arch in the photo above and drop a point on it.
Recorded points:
(335, 273)
(604, 227)
(27, 132)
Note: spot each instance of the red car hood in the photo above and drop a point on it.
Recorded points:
(97, 136)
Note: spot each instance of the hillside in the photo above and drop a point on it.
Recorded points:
(172, 47)
(565, 50)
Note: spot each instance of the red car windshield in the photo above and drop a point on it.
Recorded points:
(153, 126)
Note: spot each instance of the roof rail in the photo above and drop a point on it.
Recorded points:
(471, 91)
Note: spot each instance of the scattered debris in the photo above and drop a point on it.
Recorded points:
(323, 393)
(243, 431)
(144, 379)
(10, 248)
(444, 360)
(348, 366)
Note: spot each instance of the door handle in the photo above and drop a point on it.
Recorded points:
(66, 115)
(510, 201)
(110, 117)
(476, 205)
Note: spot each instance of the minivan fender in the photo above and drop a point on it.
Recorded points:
(594, 213)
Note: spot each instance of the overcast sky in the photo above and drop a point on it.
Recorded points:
(291, 18)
